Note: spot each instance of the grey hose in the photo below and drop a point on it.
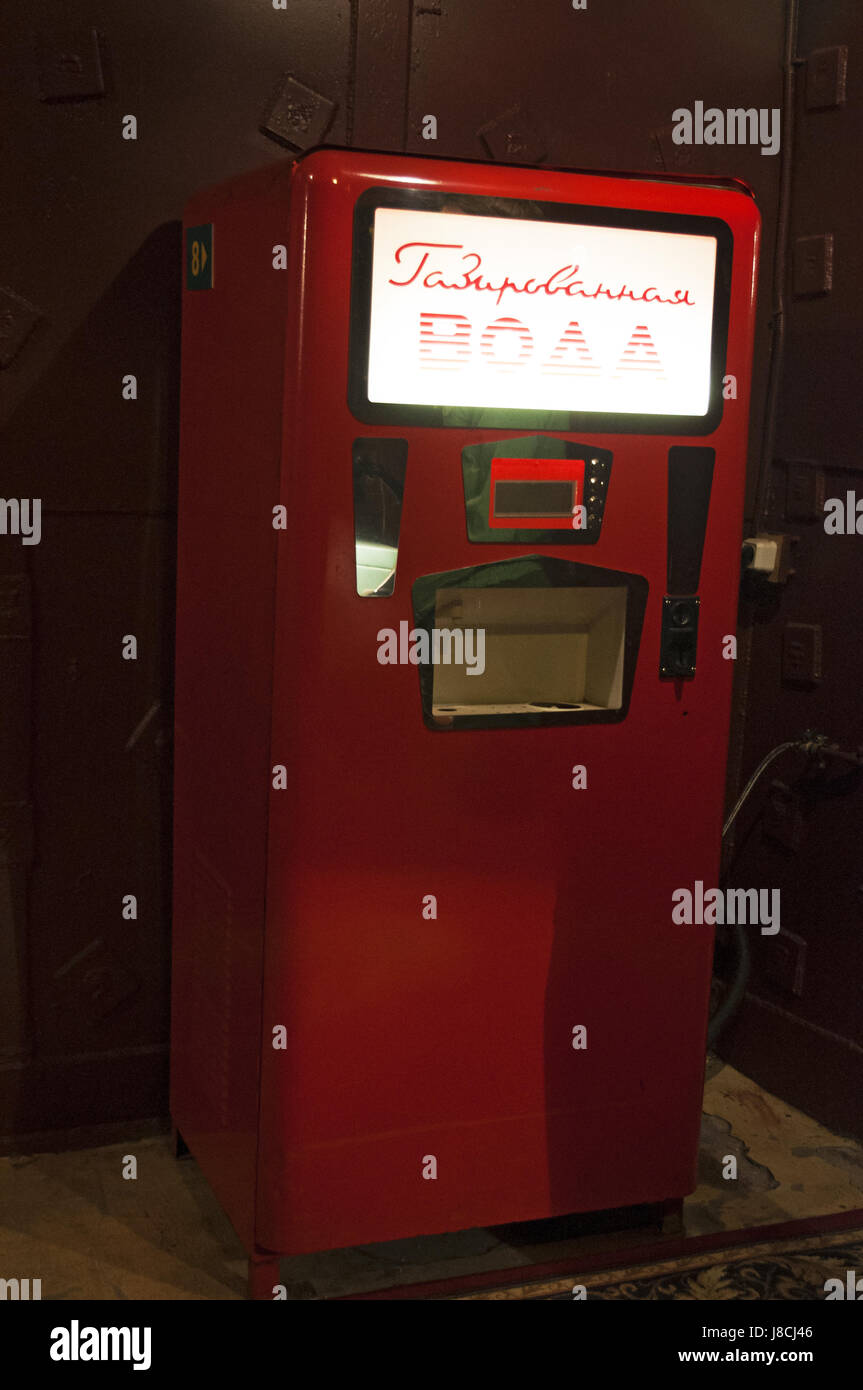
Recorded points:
(734, 997)
(765, 763)
(813, 745)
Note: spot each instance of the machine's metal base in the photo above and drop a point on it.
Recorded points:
(671, 1217)
(263, 1275)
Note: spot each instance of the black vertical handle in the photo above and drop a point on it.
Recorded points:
(690, 479)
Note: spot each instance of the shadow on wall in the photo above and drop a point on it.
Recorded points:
(85, 766)
(74, 437)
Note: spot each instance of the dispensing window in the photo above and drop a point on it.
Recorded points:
(528, 642)
(546, 650)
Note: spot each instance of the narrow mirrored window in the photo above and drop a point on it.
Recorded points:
(379, 467)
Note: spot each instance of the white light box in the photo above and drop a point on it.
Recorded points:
(507, 312)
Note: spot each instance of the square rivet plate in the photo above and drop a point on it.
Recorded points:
(297, 115)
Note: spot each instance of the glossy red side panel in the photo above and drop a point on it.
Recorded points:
(451, 1038)
(230, 444)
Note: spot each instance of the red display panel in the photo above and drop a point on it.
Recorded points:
(541, 493)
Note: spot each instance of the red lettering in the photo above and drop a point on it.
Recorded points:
(519, 344)
(507, 344)
(468, 276)
(410, 246)
(444, 341)
(640, 356)
(572, 356)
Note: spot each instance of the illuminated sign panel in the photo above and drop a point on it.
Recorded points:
(487, 311)
(467, 310)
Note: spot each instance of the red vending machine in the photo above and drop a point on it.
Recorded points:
(461, 489)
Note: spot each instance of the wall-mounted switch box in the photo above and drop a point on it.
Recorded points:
(826, 70)
(813, 265)
(801, 653)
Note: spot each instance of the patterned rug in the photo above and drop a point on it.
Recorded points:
(785, 1269)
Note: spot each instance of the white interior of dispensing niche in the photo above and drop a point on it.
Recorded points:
(545, 650)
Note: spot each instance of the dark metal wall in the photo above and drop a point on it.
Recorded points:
(800, 1030)
(89, 290)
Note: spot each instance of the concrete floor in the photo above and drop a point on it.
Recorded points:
(73, 1221)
